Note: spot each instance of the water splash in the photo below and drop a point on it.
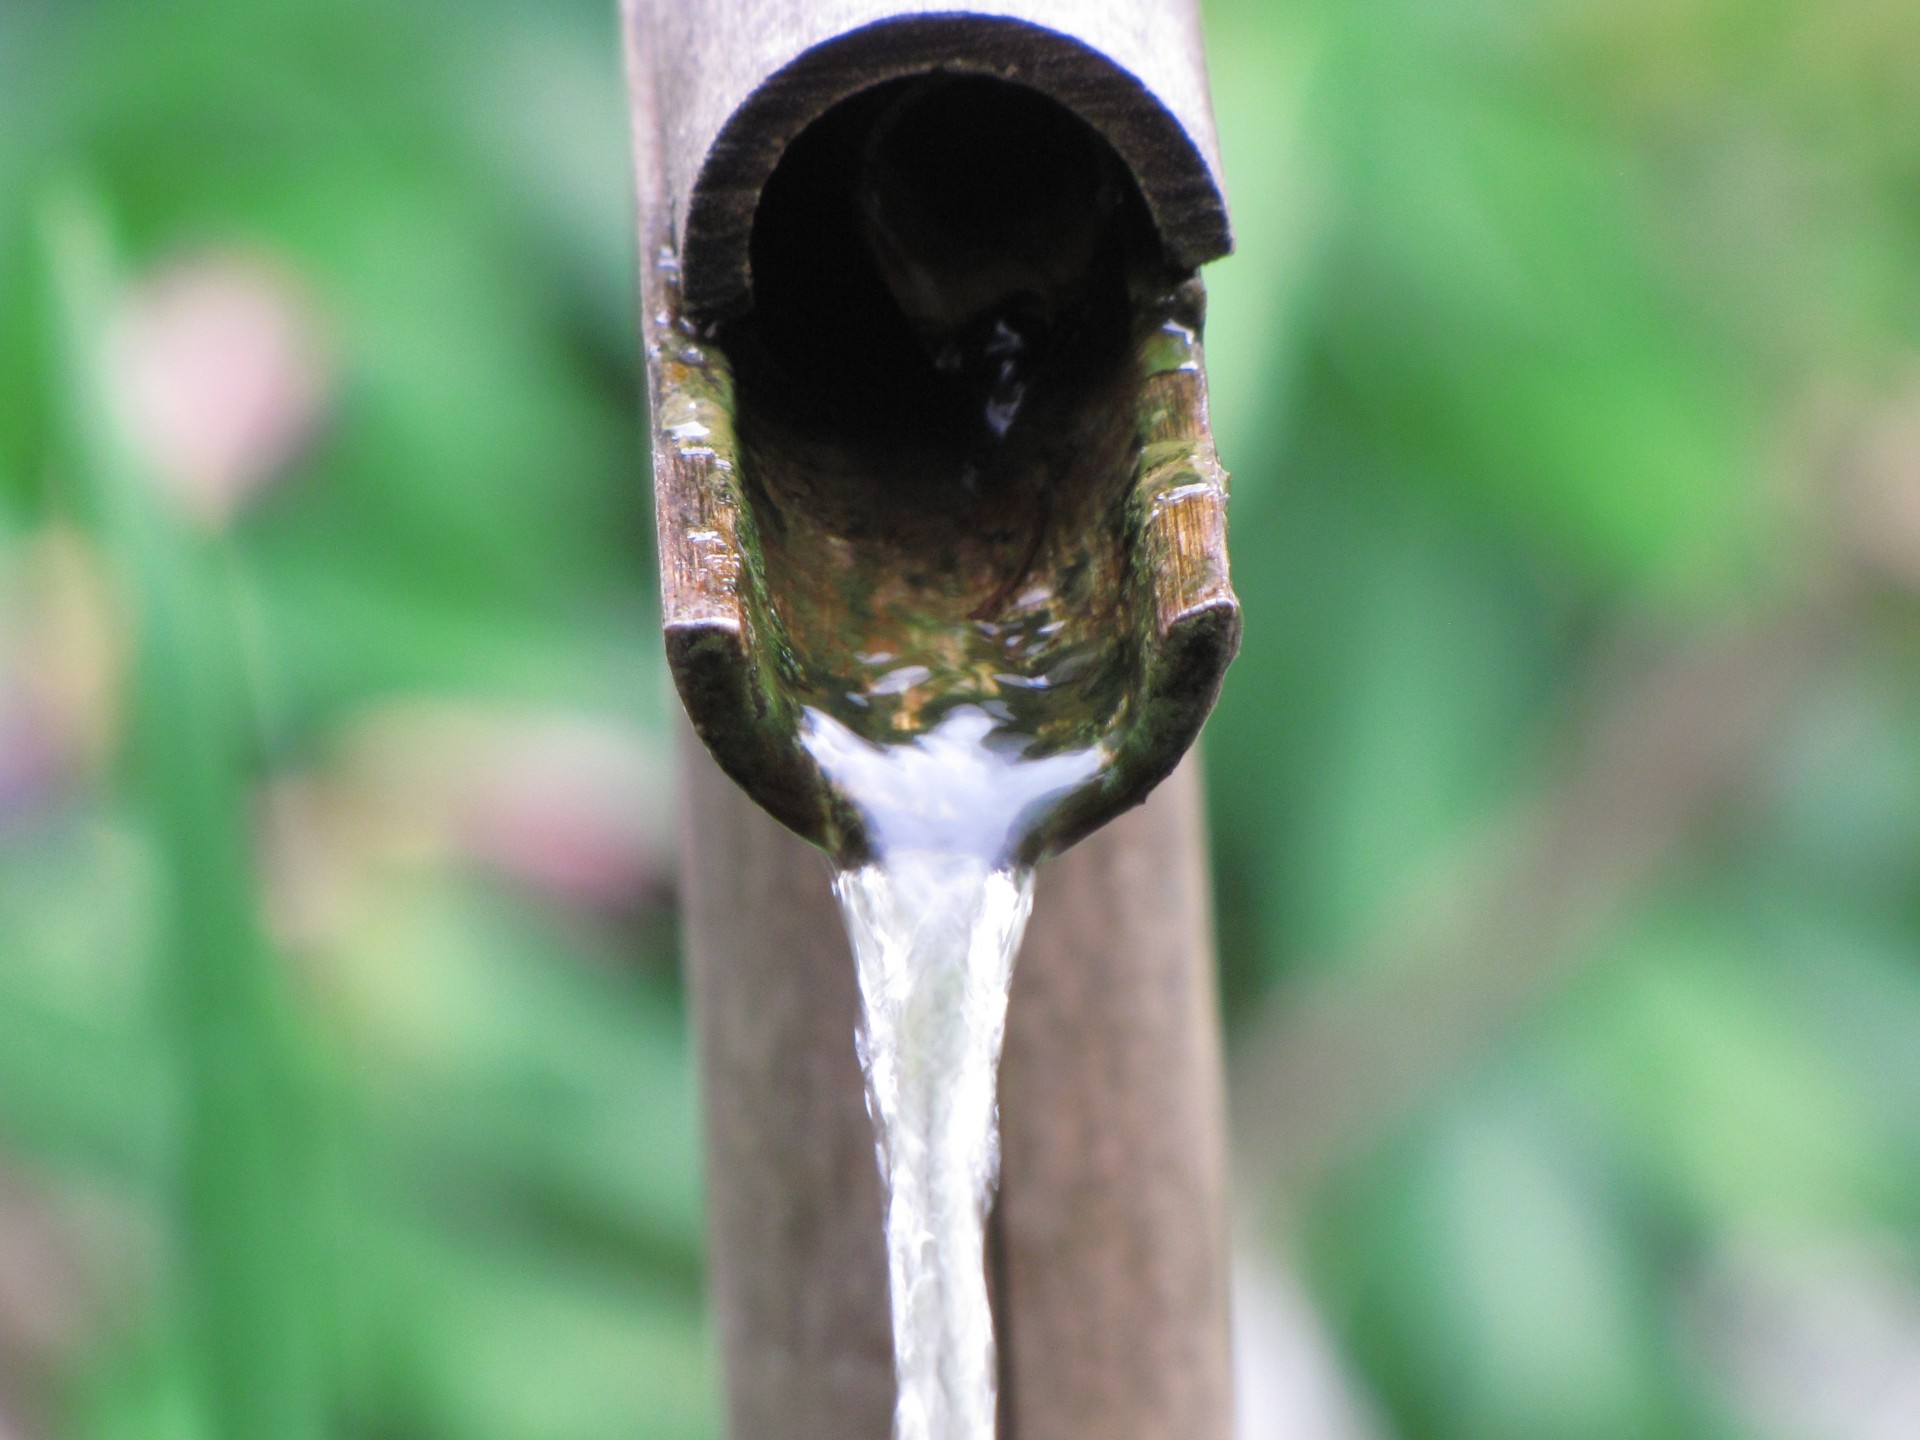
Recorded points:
(935, 921)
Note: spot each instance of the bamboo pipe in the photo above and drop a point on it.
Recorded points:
(739, 79)
(1109, 1236)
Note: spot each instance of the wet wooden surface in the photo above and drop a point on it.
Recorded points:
(1112, 1218)
(1145, 557)
(797, 1260)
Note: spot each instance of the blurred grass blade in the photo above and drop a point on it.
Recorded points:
(243, 1197)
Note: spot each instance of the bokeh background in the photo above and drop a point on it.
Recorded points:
(1566, 795)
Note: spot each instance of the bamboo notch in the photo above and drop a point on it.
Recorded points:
(732, 625)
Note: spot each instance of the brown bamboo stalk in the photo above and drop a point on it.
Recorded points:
(1110, 1250)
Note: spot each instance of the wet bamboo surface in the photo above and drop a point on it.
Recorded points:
(1110, 1245)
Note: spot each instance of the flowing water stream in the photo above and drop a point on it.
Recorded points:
(935, 919)
(952, 756)
(935, 940)
(954, 748)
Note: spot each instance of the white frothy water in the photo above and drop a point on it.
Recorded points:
(935, 921)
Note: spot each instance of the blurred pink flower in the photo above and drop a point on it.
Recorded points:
(220, 376)
(575, 808)
(42, 1291)
(74, 1262)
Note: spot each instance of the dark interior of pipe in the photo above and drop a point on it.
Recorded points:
(937, 399)
(925, 241)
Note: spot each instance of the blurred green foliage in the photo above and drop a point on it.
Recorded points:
(336, 956)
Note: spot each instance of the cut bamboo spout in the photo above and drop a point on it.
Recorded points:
(846, 460)
(842, 469)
